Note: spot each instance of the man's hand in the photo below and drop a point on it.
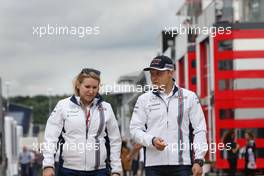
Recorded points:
(197, 169)
(49, 171)
(159, 143)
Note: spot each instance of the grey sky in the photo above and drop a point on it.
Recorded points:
(126, 43)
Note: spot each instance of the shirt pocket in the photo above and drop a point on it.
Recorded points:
(74, 122)
(155, 112)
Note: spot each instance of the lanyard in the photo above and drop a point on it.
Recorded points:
(88, 118)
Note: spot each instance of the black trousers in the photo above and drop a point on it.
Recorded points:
(232, 167)
(25, 169)
(169, 170)
(249, 172)
(70, 172)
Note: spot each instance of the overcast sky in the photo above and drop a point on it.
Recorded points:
(128, 40)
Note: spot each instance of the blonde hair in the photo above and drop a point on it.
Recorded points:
(81, 76)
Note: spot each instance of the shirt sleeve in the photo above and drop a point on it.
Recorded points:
(137, 124)
(52, 132)
(115, 143)
(199, 125)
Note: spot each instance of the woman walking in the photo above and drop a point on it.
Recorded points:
(87, 128)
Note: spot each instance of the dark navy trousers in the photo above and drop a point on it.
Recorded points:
(169, 170)
(70, 172)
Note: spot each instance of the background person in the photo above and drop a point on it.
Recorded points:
(232, 153)
(25, 161)
(126, 161)
(250, 154)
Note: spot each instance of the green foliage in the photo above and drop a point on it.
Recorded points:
(40, 105)
(113, 100)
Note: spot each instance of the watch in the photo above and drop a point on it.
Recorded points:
(199, 161)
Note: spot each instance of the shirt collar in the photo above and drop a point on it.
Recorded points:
(172, 93)
(76, 100)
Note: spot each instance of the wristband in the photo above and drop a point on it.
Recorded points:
(152, 141)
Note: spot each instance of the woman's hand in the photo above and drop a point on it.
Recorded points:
(49, 171)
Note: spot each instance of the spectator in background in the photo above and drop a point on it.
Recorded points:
(37, 163)
(141, 162)
(31, 166)
(250, 154)
(135, 158)
(25, 161)
(126, 161)
(232, 156)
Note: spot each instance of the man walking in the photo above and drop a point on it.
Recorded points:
(24, 161)
(162, 122)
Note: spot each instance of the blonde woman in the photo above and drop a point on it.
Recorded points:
(87, 131)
